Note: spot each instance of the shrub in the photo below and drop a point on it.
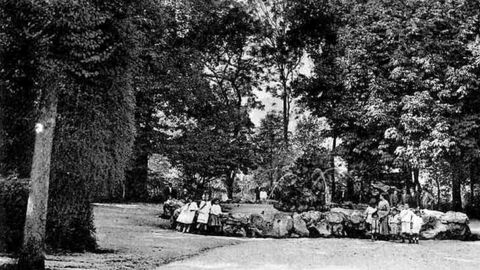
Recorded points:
(303, 189)
(13, 205)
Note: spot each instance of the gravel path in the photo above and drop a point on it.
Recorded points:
(132, 237)
(337, 254)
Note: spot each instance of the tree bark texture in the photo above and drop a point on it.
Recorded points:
(332, 165)
(33, 252)
(229, 183)
(2, 133)
(136, 178)
(456, 188)
(286, 109)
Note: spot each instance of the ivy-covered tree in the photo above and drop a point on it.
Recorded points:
(90, 52)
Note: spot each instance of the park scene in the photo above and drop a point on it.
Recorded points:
(239, 134)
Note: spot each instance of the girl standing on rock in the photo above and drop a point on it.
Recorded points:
(187, 214)
(214, 218)
(203, 213)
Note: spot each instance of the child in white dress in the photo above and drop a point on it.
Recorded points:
(372, 208)
(406, 216)
(417, 222)
(187, 214)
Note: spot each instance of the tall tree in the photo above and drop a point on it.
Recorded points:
(285, 25)
(401, 86)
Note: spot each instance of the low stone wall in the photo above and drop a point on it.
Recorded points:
(337, 222)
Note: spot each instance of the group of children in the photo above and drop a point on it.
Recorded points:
(400, 224)
(205, 215)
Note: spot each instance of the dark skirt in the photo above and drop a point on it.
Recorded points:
(383, 226)
(214, 221)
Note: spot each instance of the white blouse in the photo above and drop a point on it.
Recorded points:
(216, 210)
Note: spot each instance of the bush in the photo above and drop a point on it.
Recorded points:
(303, 189)
(13, 206)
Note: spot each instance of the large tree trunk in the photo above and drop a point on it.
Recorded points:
(286, 109)
(229, 183)
(473, 178)
(415, 177)
(332, 165)
(3, 138)
(136, 178)
(32, 255)
(456, 188)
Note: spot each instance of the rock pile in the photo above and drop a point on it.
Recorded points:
(337, 222)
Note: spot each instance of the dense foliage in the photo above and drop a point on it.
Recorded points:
(13, 200)
(398, 86)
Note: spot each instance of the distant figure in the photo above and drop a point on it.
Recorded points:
(263, 195)
(427, 199)
(184, 195)
(405, 197)
(414, 198)
(257, 194)
(394, 199)
(169, 192)
(214, 219)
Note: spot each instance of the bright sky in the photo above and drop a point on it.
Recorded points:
(272, 103)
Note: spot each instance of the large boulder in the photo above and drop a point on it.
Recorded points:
(258, 225)
(299, 226)
(311, 217)
(233, 230)
(454, 217)
(320, 229)
(437, 231)
(334, 217)
(344, 211)
(238, 219)
(432, 213)
(439, 225)
(281, 226)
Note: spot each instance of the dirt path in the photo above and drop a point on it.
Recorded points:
(133, 237)
(337, 254)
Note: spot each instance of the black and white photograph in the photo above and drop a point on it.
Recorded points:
(239, 134)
